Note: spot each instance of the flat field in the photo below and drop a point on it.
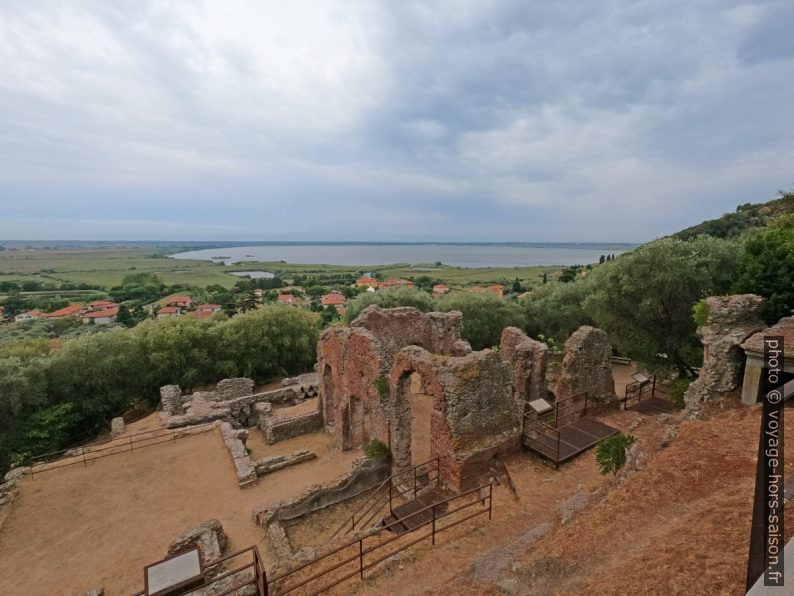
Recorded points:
(107, 266)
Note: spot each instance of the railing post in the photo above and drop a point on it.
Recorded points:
(557, 454)
(391, 511)
(653, 387)
(434, 525)
(414, 483)
(490, 499)
(361, 557)
(586, 395)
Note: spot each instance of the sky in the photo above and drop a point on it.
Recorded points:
(346, 120)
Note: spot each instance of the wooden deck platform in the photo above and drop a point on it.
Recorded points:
(575, 438)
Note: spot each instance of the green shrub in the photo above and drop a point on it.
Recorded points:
(382, 385)
(610, 453)
(700, 312)
(375, 449)
(677, 390)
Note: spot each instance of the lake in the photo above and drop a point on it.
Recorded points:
(456, 255)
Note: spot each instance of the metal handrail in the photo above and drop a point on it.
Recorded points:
(123, 445)
(362, 552)
(377, 495)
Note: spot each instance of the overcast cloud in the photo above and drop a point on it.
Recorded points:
(459, 120)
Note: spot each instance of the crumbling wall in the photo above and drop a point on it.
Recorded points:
(474, 417)
(354, 364)
(231, 388)
(232, 401)
(235, 442)
(279, 427)
(731, 320)
(587, 366)
(171, 399)
(529, 360)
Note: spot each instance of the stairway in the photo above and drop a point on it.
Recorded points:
(415, 512)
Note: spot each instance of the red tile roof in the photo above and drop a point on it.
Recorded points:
(286, 298)
(101, 314)
(101, 303)
(35, 314)
(168, 310)
(176, 299)
(333, 299)
(67, 311)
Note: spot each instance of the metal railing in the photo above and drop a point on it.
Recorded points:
(82, 455)
(418, 477)
(543, 436)
(363, 546)
(656, 386)
(255, 567)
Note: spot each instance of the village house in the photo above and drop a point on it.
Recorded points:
(30, 316)
(2, 313)
(259, 294)
(180, 301)
(440, 289)
(168, 312)
(396, 283)
(100, 304)
(368, 281)
(288, 299)
(69, 311)
(205, 311)
(105, 316)
(335, 299)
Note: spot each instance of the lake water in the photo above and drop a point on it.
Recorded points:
(456, 255)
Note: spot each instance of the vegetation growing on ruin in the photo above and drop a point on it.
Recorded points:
(610, 453)
(375, 449)
(382, 385)
(677, 390)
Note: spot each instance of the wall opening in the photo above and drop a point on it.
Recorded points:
(329, 395)
(421, 414)
(358, 431)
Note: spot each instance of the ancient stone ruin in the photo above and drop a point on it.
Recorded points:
(731, 320)
(587, 366)
(232, 400)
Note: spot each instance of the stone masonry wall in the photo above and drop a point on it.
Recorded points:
(587, 366)
(731, 320)
(529, 360)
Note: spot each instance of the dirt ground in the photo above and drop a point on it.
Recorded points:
(76, 528)
(680, 526)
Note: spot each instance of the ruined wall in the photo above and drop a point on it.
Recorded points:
(474, 417)
(353, 362)
(587, 366)
(529, 360)
(731, 320)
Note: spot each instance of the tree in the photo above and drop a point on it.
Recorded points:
(766, 267)
(124, 317)
(390, 298)
(644, 300)
(602, 259)
(516, 286)
(484, 317)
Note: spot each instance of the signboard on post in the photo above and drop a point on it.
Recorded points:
(175, 574)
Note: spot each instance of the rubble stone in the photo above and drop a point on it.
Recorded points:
(208, 536)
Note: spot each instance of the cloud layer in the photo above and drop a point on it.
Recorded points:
(459, 120)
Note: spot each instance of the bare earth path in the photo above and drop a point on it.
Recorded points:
(77, 528)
